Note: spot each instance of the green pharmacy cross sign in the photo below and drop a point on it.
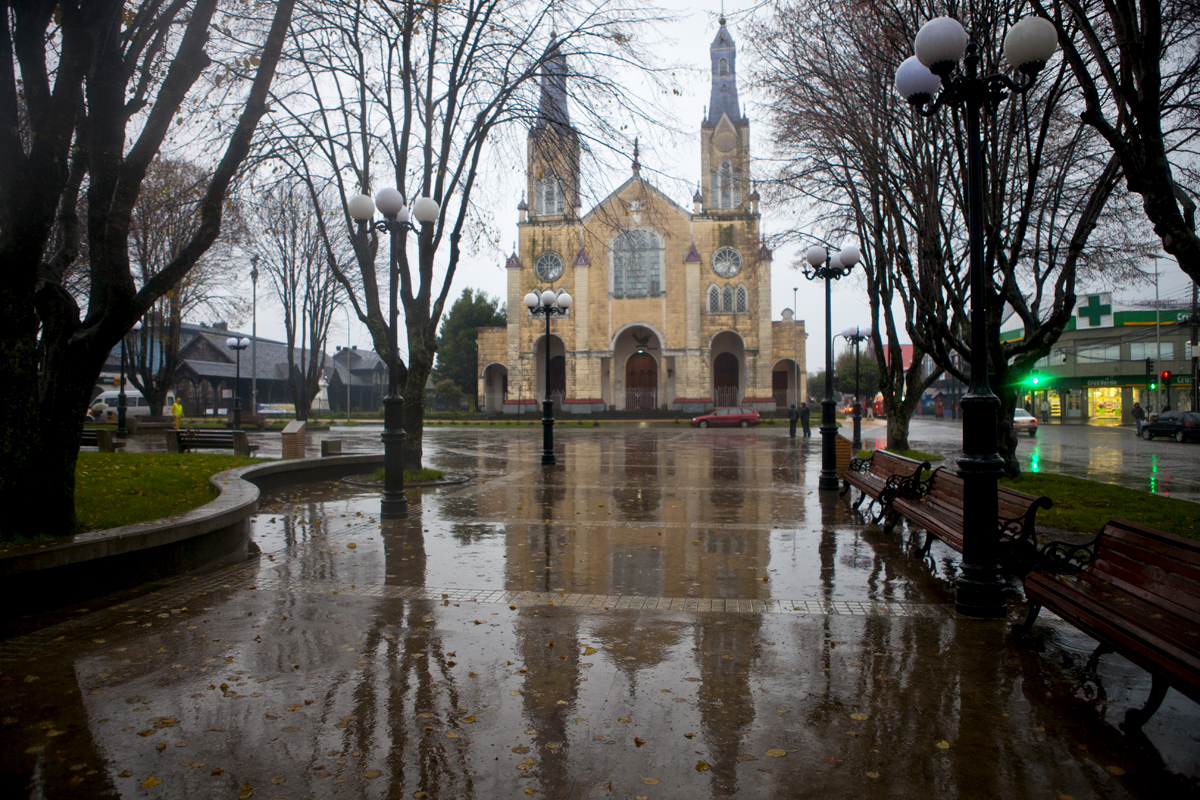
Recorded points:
(1094, 310)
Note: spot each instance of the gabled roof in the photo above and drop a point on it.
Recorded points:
(637, 179)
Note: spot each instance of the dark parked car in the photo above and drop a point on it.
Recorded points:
(727, 417)
(1183, 425)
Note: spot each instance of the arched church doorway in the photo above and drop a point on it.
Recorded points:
(558, 381)
(725, 379)
(641, 383)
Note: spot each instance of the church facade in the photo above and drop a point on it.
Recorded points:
(671, 308)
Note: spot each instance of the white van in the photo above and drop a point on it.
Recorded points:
(135, 404)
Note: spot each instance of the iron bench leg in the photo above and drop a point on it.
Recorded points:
(1030, 617)
(1093, 661)
(1135, 718)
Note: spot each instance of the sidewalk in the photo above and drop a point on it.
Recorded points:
(669, 613)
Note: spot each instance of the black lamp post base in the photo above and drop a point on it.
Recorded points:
(979, 592)
(548, 433)
(394, 504)
(121, 431)
(829, 478)
(857, 443)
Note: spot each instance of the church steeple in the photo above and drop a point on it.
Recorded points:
(552, 107)
(724, 98)
(553, 167)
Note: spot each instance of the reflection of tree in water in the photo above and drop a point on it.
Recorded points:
(551, 659)
(405, 673)
(725, 492)
(638, 496)
(725, 652)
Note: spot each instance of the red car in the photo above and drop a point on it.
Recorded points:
(727, 417)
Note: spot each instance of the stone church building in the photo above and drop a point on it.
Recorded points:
(672, 308)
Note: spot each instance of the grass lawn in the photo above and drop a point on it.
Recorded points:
(113, 489)
(422, 475)
(1083, 505)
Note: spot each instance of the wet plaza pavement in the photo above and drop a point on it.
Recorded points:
(669, 613)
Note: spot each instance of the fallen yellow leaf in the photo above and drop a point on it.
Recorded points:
(1113, 770)
(776, 753)
(651, 781)
(247, 790)
(589, 651)
(872, 774)
(701, 766)
(372, 773)
(860, 717)
(637, 742)
(943, 745)
(150, 782)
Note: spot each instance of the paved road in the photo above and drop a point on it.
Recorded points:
(1108, 454)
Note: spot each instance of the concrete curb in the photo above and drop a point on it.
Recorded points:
(212, 535)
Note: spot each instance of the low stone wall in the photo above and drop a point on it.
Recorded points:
(40, 576)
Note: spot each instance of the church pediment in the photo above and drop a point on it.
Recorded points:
(637, 203)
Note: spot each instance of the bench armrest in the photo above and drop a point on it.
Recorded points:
(1018, 536)
(1065, 558)
(858, 464)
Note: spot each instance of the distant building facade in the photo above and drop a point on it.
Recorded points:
(672, 308)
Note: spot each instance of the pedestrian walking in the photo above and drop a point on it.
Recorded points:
(1045, 410)
(177, 412)
(1139, 417)
(804, 415)
(793, 417)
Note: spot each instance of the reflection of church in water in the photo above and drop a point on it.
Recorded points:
(672, 309)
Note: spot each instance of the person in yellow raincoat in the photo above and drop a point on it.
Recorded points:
(177, 412)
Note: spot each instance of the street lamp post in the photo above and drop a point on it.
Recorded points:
(829, 266)
(929, 81)
(396, 223)
(857, 336)
(795, 352)
(234, 343)
(547, 305)
(137, 326)
(254, 334)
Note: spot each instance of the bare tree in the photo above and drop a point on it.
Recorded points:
(828, 71)
(104, 82)
(896, 180)
(163, 222)
(291, 250)
(421, 96)
(1137, 63)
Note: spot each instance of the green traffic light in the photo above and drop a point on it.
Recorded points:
(1035, 380)
(1154, 386)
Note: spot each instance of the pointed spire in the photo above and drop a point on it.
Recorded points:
(693, 255)
(724, 99)
(514, 262)
(552, 107)
(522, 206)
(581, 259)
(636, 165)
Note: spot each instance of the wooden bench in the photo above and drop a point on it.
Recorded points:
(182, 441)
(100, 438)
(882, 477)
(940, 511)
(1134, 589)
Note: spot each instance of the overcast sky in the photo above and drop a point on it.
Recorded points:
(687, 43)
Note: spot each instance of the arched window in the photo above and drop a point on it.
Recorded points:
(743, 300)
(727, 300)
(714, 300)
(723, 67)
(725, 196)
(549, 196)
(637, 255)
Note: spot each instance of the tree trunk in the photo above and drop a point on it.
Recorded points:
(420, 366)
